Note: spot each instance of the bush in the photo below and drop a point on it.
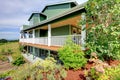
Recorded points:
(112, 73)
(19, 60)
(40, 70)
(103, 31)
(72, 56)
(9, 51)
(46, 65)
(21, 48)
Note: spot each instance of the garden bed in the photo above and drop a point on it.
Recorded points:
(80, 74)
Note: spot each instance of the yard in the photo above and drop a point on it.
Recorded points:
(100, 60)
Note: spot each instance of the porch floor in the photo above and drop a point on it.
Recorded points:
(53, 48)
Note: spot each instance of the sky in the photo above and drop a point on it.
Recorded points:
(15, 13)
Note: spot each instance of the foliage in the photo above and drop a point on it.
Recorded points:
(72, 56)
(63, 74)
(13, 46)
(46, 65)
(3, 41)
(103, 35)
(3, 57)
(51, 76)
(20, 60)
(112, 73)
(2, 51)
(36, 71)
(3, 75)
(21, 48)
(9, 51)
(22, 72)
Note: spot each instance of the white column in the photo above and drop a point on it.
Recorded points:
(33, 35)
(83, 32)
(27, 37)
(49, 35)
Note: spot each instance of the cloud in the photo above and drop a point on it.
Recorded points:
(9, 35)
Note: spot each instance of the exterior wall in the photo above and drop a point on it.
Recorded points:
(42, 18)
(37, 52)
(35, 19)
(51, 11)
(64, 30)
(72, 20)
(37, 33)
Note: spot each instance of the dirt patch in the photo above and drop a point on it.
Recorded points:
(5, 66)
(75, 75)
(79, 74)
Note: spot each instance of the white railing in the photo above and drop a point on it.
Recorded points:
(41, 40)
(55, 40)
(61, 40)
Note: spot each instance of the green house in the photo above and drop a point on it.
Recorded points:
(48, 30)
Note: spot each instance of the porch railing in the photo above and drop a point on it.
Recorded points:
(55, 40)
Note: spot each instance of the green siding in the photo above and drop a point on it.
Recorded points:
(35, 19)
(60, 31)
(42, 18)
(54, 10)
(26, 27)
(36, 33)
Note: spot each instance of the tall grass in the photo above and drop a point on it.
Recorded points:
(13, 46)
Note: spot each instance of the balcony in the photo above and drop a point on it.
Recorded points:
(53, 40)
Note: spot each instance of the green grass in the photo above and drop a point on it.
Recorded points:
(13, 46)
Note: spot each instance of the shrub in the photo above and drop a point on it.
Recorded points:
(21, 48)
(36, 71)
(112, 73)
(46, 65)
(72, 56)
(103, 32)
(9, 51)
(19, 60)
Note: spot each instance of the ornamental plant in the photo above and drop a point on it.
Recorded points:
(103, 31)
(72, 56)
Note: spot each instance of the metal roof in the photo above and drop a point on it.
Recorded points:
(72, 10)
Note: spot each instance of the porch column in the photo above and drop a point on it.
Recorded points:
(27, 35)
(33, 53)
(48, 53)
(49, 35)
(27, 51)
(33, 35)
(83, 32)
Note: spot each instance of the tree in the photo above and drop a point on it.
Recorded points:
(103, 32)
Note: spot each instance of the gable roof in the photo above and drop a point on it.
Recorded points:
(72, 10)
(35, 13)
(65, 2)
